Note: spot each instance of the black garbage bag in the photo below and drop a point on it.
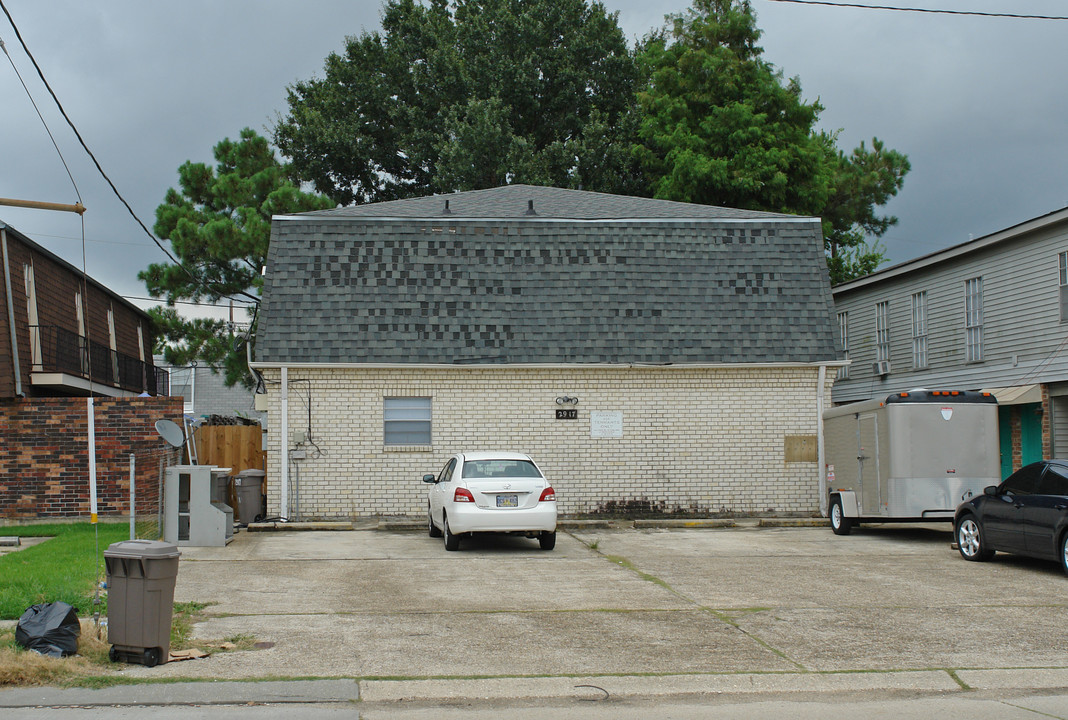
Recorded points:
(51, 629)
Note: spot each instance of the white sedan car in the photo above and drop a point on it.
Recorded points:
(493, 492)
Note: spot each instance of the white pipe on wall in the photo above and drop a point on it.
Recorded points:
(820, 458)
(11, 316)
(284, 449)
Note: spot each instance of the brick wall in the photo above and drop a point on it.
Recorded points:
(44, 467)
(695, 441)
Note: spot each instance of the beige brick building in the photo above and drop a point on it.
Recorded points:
(653, 357)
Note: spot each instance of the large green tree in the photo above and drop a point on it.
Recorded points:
(720, 126)
(469, 94)
(219, 227)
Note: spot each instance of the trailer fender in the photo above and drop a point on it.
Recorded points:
(849, 502)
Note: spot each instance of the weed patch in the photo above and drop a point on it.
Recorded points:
(26, 667)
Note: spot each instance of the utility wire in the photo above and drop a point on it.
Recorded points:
(188, 302)
(47, 129)
(77, 134)
(103, 174)
(924, 10)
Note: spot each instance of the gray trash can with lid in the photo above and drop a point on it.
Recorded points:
(249, 489)
(141, 576)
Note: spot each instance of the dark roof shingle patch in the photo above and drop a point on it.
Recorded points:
(373, 285)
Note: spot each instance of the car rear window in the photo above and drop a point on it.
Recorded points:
(476, 469)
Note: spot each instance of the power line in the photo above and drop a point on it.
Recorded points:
(89, 152)
(78, 135)
(924, 10)
(47, 129)
(188, 302)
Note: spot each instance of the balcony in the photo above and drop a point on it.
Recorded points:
(63, 361)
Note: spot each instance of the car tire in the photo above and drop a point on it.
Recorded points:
(840, 524)
(1064, 552)
(547, 540)
(431, 528)
(969, 535)
(452, 542)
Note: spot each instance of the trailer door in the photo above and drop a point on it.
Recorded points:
(868, 459)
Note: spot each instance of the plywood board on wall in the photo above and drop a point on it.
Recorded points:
(800, 448)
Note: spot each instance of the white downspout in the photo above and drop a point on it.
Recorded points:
(820, 457)
(11, 316)
(284, 450)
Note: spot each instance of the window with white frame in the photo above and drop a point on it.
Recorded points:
(919, 330)
(973, 319)
(882, 331)
(406, 420)
(1063, 258)
(843, 328)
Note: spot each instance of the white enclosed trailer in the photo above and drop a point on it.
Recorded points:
(912, 457)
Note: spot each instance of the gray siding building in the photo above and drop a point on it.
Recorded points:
(989, 314)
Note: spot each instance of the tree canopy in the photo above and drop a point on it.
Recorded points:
(219, 227)
(467, 95)
(720, 126)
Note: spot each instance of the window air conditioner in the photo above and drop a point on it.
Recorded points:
(881, 368)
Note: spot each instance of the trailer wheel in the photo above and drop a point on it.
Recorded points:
(840, 524)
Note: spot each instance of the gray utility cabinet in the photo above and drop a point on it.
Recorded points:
(194, 511)
(914, 456)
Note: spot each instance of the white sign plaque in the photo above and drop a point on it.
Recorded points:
(606, 423)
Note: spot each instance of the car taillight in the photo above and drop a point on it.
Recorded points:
(463, 495)
(548, 495)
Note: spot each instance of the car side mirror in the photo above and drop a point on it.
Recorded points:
(990, 490)
(430, 478)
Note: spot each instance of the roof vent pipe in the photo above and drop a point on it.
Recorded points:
(446, 211)
(530, 208)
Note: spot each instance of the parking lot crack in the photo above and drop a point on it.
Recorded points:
(724, 616)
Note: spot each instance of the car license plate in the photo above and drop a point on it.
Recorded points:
(507, 501)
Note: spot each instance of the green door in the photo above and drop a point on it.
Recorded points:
(1031, 432)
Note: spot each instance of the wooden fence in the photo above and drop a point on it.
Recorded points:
(238, 447)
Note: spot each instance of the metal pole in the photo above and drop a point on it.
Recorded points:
(133, 533)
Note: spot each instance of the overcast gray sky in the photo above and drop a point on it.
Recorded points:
(978, 104)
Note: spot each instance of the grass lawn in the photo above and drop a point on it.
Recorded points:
(65, 568)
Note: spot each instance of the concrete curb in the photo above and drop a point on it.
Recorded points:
(187, 693)
(490, 689)
(597, 688)
(419, 524)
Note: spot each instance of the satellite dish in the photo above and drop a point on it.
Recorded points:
(171, 432)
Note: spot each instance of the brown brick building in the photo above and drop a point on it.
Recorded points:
(64, 338)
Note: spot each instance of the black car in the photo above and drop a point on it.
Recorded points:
(1027, 514)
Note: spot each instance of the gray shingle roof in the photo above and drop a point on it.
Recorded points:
(348, 288)
(514, 201)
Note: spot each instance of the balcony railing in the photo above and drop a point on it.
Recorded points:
(63, 351)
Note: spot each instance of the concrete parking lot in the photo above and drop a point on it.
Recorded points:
(639, 611)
